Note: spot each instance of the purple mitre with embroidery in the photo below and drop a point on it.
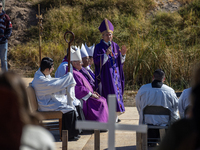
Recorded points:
(106, 26)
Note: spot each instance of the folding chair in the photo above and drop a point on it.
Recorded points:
(157, 110)
(33, 105)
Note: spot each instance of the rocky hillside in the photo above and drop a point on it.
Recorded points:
(22, 15)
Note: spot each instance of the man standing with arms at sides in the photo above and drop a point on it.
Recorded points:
(5, 33)
(108, 60)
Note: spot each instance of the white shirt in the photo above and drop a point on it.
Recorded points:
(50, 92)
(164, 96)
(35, 137)
(61, 71)
(184, 101)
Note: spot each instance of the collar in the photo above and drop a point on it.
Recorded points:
(156, 84)
(105, 42)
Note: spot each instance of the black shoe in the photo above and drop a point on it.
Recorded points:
(119, 120)
(75, 138)
(103, 130)
(152, 144)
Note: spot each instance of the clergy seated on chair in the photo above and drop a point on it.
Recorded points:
(157, 94)
(90, 51)
(87, 73)
(51, 95)
(95, 107)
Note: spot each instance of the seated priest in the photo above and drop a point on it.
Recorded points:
(51, 95)
(156, 94)
(95, 107)
(90, 51)
(89, 75)
(184, 102)
(61, 70)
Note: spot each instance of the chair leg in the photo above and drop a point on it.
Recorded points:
(162, 133)
(60, 128)
(65, 140)
(141, 141)
(97, 140)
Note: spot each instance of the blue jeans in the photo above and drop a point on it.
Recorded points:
(3, 56)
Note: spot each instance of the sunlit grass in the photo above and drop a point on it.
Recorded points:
(169, 41)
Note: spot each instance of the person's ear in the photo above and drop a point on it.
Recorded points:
(163, 79)
(153, 78)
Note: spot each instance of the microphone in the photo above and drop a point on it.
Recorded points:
(109, 43)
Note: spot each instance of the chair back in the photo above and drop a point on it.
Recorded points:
(33, 105)
(156, 110)
(187, 110)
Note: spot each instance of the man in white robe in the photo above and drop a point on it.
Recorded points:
(157, 94)
(50, 93)
(184, 101)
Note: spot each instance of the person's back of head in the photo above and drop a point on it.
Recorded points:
(46, 63)
(159, 75)
(14, 110)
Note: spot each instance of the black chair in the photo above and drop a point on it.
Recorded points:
(157, 110)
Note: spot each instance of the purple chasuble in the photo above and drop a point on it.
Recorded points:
(87, 75)
(111, 74)
(93, 109)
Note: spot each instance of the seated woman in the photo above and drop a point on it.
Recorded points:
(19, 128)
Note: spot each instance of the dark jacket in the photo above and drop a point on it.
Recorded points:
(5, 27)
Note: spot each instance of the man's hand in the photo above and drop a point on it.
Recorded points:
(109, 50)
(95, 96)
(123, 50)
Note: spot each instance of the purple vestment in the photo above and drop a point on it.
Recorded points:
(110, 75)
(93, 109)
(88, 76)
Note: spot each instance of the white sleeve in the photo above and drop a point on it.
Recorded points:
(181, 105)
(122, 58)
(85, 98)
(137, 100)
(105, 59)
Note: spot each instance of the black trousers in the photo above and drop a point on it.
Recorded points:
(68, 123)
(80, 113)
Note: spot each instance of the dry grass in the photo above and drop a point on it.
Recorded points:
(169, 41)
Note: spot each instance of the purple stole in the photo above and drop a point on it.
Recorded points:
(87, 75)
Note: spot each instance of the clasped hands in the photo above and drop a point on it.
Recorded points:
(95, 95)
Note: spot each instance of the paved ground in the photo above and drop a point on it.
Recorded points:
(124, 140)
